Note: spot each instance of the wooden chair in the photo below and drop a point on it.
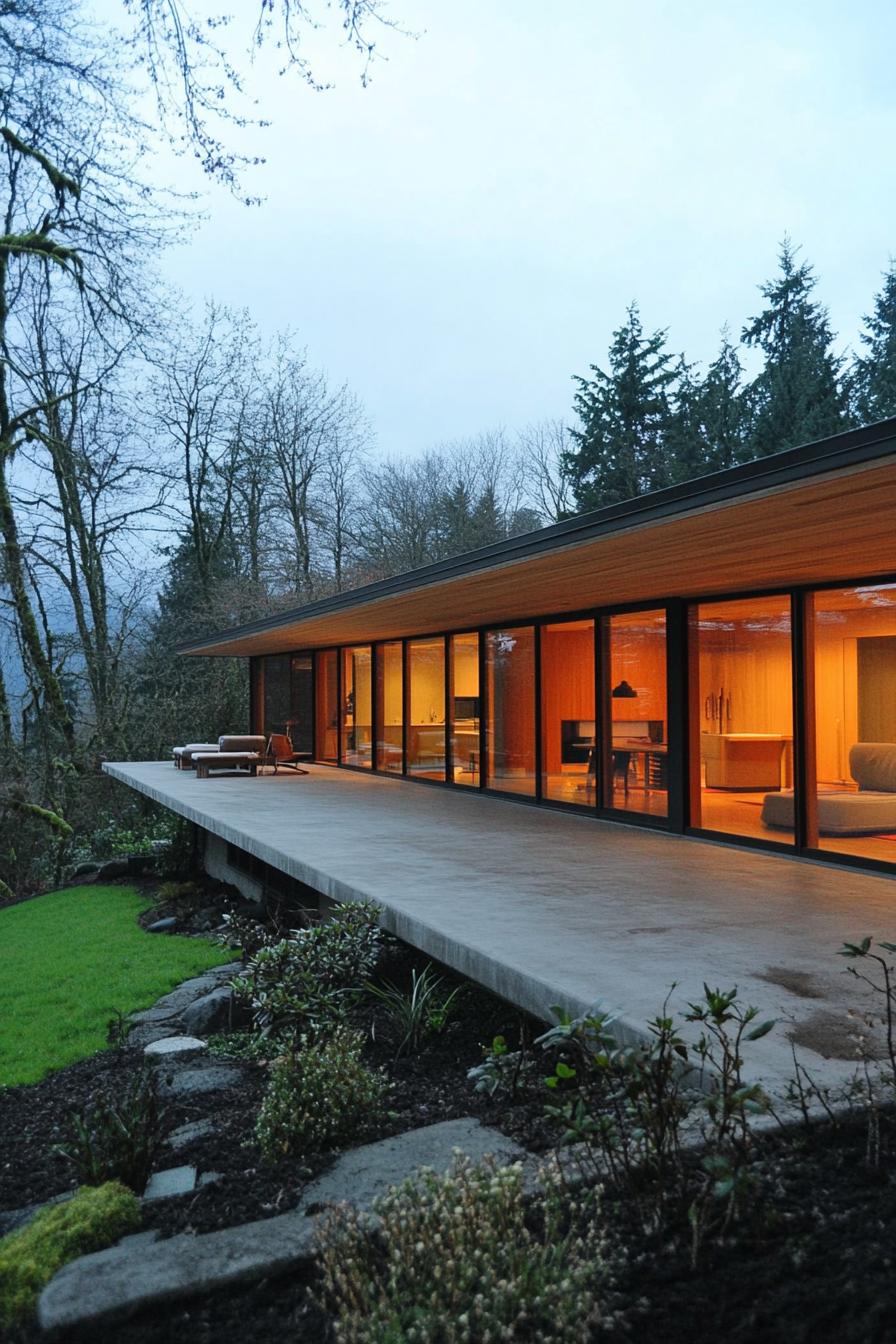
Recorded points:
(280, 751)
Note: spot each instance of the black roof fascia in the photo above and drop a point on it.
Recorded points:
(852, 448)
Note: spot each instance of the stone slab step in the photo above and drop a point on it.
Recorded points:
(173, 1049)
(114, 1284)
(188, 1082)
(362, 1175)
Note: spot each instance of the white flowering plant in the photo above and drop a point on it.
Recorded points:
(461, 1259)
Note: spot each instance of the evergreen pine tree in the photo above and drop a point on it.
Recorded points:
(723, 412)
(685, 443)
(874, 374)
(797, 397)
(623, 417)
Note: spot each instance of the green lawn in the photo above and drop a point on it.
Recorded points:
(68, 961)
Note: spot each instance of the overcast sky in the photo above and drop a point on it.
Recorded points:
(461, 237)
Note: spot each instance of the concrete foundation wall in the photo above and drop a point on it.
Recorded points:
(214, 861)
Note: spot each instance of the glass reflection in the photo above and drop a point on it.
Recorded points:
(567, 712)
(855, 720)
(426, 709)
(463, 704)
(389, 708)
(745, 717)
(327, 705)
(357, 707)
(634, 672)
(510, 685)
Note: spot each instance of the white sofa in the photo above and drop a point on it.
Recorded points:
(869, 811)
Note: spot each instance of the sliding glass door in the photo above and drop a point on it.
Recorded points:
(635, 736)
(742, 730)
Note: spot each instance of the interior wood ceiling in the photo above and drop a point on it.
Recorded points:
(837, 527)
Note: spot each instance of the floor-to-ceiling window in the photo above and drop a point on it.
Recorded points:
(510, 717)
(326, 729)
(357, 707)
(855, 720)
(742, 717)
(426, 708)
(635, 729)
(463, 707)
(567, 712)
(389, 708)
(277, 696)
(301, 716)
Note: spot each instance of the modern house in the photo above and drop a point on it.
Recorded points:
(712, 666)
(717, 659)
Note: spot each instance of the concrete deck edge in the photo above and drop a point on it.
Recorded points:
(511, 983)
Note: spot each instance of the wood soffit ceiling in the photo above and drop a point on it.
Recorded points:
(838, 526)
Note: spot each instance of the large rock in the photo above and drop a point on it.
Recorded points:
(114, 1284)
(171, 1182)
(212, 1013)
(162, 925)
(196, 1081)
(362, 1175)
(112, 868)
(174, 1049)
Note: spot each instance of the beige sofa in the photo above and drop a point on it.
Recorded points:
(185, 757)
(869, 811)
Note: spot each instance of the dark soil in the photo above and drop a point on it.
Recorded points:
(812, 1261)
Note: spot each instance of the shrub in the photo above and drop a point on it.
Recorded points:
(423, 1010)
(313, 978)
(90, 1221)
(118, 1140)
(457, 1260)
(319, 1096)
(184, 898)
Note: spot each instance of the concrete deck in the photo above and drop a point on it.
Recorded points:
(546, 908)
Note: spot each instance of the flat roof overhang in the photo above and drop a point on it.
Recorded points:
(817, 514)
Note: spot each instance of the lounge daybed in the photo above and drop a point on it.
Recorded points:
(241, 751)
(870, 811)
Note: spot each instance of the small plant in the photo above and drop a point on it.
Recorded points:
(118, 1029)
(182, 897)
(243, 931)
(244, 1045)
(314, 978)
(90, 1221)
(418, 1012)
(118, 1140)
(503, 1071)
(728, 1103)
(885, 987)
(459, 1259)
(319, 1096)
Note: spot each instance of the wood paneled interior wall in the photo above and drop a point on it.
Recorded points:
(326, 713)
(357, 678)
(745, 654)
(389, 677)
(843, 617)
(426, 673)
(567, 683)
(510, 663)
(465, 665)
(638, 656)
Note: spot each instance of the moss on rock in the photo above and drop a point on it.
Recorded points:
(95, 1217)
